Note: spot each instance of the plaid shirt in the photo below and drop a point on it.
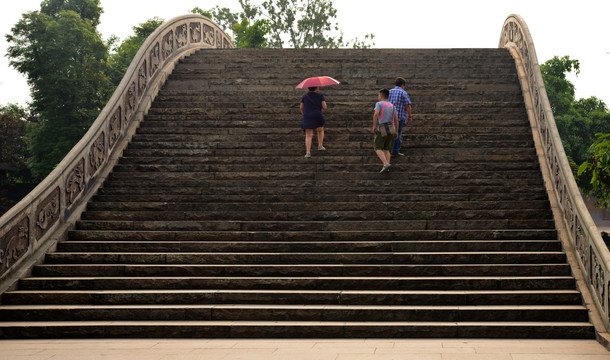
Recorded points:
(399, 98)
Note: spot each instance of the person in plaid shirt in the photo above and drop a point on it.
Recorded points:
(401, 101)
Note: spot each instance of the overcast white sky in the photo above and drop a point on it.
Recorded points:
(579, 29)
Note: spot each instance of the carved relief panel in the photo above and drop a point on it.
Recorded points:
(582, 246)
(155, 59)
(167, 45)
(130, 102)
(97, 154)
(598, 280)
(115, 127)
(195, 29)
(142, 80)
(14, 244)
(75, 182)
(218, 41)
(181, 36)
(47, 214)
(208, 35)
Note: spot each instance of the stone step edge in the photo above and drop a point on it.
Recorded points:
(299, 291)
(295, 329)
(296, 307)
(281, 323)
(296, 253)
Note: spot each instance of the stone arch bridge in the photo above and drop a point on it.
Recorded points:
(188, 210)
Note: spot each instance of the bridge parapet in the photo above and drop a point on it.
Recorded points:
(34, 225)
(585, 241)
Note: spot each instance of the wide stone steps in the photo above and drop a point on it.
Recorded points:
(294, 329)
(427, 151)
(360, 113)
(464, 290)
(168, 199)
(362, 178)
(308, 258)
(347, 121)
(464, 94)
(315, 222)
(167, 204)
(547, 313)
(254, 186)
(355, 140)
(358, 148)
(477, 170)
(213, 224)
(274, 270)
(497, 193)
(480, 157)
(101, 218)
(310, 235)
(278, 128)
(322, 247)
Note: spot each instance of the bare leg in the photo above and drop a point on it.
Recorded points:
(320, 131)
(388, 155)
(308, 137)
(384, 156)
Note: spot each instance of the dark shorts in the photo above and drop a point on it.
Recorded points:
(383, 143)
(312, 122)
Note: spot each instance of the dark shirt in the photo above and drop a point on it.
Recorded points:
(312, 105)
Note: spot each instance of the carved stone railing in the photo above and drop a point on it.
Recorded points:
(36, 223)
(585, 240)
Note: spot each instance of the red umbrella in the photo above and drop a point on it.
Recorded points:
(317, 81)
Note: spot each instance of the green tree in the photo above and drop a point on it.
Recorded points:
(598, 169)
(124, 53)
(222, 16)
(583, 126)
(87, 9)
(560, 90)
(293, 23)
(250, 36)
(64, 59)
(577, 120)
(244, 35)
(13, 147)
(200, 11)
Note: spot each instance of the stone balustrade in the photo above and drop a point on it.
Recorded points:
(34, 225)
(585, 240)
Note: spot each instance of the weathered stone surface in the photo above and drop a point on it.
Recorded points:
(214, 225)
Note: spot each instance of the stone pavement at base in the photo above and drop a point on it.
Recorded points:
(296, 349)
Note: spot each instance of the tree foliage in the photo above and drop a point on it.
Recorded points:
(560, 90)
(124, 53)
(250, 36)
(64, 59)
(13, 147)
(286, 23)
(582, 125)
(86, 9)
(598, 167)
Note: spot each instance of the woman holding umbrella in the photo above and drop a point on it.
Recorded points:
(312, 105)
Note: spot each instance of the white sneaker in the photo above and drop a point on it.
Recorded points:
(308, 155)
(321, 148)
(385, 168)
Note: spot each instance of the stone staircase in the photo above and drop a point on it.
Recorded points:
(214, 225)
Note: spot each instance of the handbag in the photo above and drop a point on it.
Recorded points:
(386, 128)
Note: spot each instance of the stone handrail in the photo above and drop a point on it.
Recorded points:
(37, 222)
(585, 240)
